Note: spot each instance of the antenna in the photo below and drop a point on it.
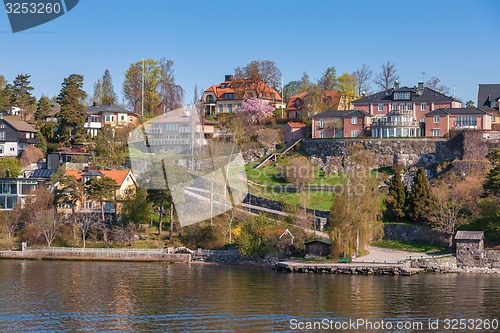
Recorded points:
(423, 76)
(282, 99)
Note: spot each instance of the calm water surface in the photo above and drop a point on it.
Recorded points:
(63, 296)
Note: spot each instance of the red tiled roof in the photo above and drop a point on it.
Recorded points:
(235, 85)
(294, 124)
(331, 98)
(118, 175)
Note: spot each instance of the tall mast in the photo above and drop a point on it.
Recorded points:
(142, 90)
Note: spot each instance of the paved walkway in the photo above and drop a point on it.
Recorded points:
(379, 254)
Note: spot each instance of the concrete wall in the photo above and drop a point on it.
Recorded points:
(414, 233)
(98, 256)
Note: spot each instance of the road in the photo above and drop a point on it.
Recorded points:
(379, 254)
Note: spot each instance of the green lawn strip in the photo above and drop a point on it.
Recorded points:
(410, 246)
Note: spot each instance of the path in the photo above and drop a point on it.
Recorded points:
(380, 254)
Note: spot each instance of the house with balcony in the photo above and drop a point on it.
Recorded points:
(398, 123)
(340, 124)
(297, 106)
(15, 190)
(440, 121)
(416, 101)
(111, 115)
(227, 96)
(15, 136)
(125, 184)
(488, 99)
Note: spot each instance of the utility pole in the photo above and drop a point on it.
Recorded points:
(142, 90)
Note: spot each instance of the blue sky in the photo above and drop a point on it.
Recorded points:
(457, 41)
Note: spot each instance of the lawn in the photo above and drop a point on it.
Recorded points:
(313, 199)
(409, 246)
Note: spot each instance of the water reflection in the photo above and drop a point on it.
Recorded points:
(61, 296)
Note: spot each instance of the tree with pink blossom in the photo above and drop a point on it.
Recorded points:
(255, 111)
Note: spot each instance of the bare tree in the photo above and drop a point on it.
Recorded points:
(48, 223)
(10, 224)
(260, 70)
(85, 222)
(434, 83)
(387, 77)
(299, 171)
(363, 75)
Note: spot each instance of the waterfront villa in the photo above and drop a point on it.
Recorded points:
(15, 136)
(227, 96)
(297, 104)
(441, 121)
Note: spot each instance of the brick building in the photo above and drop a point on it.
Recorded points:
(441, 121)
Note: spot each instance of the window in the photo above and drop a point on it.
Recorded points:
(131, 119)
(436, 119)
(122, 118)
(221, 108)
(435, 132)
(230, 107)
(402, 96)
(423, 106)
(422, 120)
(380, 107)
(354, 133)
(493, 118)
(322, 134)
(354, 120)
(394, 107)
(494, 104)
(409, 107)
(466, 121)
(89, 205)
(2, 136)
(12, 149)
(264, 95)
(402, 106)
(2, 126)
(228, 95)
(322, 123)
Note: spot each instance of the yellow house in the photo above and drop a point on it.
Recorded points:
(488, 98)
(125, 184)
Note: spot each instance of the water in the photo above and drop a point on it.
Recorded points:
(65, 296)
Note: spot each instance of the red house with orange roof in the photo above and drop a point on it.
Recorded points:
(297, 104)
(227, 96)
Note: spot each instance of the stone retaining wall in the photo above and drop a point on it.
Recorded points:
(414, 233)
(491, 259)
(353, 269)
(98, 256)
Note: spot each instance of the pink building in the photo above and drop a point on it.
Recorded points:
(338, 124)
(441, 121)
(294, 131)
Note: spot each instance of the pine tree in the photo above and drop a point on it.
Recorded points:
(419, 199)
(396, 198)
(43, 108)
(491, 185)
(21, 94)
(72, 115)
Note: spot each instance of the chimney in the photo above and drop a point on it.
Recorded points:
(396, 84)
(420, 84)
(363, 94)
(228, 77)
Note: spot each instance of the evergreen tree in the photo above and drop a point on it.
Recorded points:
(43, 108)
(21, 94)
(104, 92)
(419, 199)
(396, 198)
(72, 115)
(102, 190)
(491, 185)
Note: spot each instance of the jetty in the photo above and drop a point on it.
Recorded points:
(348, 268)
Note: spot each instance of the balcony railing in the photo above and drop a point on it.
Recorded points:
(184, 129)
(168, 142)
(154, 130)
(461, 125)
(395, 124)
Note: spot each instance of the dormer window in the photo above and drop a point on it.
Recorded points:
(228, 95)
(494, 104)
(402, 96)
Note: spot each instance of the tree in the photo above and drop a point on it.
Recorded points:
(171, 93)
(348, 87)
(10, 224)
(419, 199)
(255, 111)
(356, 215)
(72, 115)
(49, 223)
(102, 190)
(491, 185)
(363, 75)
(299, 171)
(132, 86)
(108, 95)
(136, 208)
(470, 104)
(434, 83)
(260, 70)
(21, 94)
(455, 203)
(10, 167)
(69, 192)
(290, 89)
(396, 198)
(387, 77)
(43, 108)
(85, 222)
(5, 94)
(328, 80)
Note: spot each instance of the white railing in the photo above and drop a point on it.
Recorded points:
(100, 250)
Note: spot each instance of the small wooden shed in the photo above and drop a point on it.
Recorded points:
(318, 247)
(469, 248)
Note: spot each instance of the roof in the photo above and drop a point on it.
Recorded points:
(486, 94)
(322, 240)
(464, 235)
(118, 175)
(233, 86)
(42, 173)
(456, 111)
(342, 114)
(331, 98)
(294, 124)
(427, 96)
(108, 108)
(20, 125)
